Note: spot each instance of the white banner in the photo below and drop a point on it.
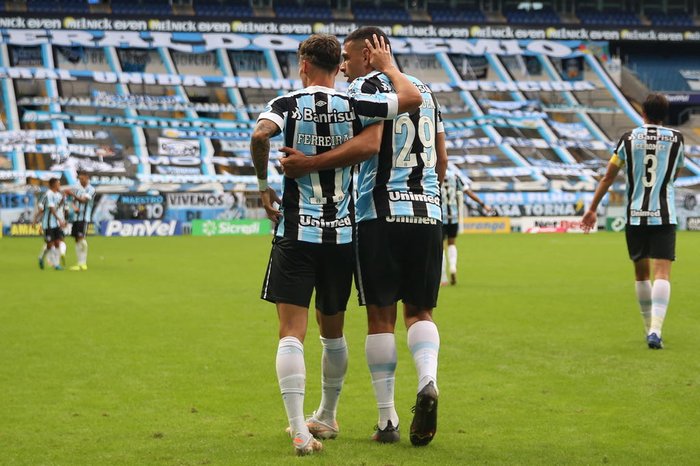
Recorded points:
(178, 147)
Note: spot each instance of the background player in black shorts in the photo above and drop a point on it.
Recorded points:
(653, 156)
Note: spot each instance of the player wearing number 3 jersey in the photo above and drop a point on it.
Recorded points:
(652, 156)
(399, 235)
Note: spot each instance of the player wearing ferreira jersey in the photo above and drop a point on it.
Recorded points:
(52, 223)
(312, 246)
(84, 197)
(399, 234)
(652, 157)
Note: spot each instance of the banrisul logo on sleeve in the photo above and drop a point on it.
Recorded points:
(231, 227)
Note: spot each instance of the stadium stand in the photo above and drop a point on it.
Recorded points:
(608, 18)
(541, 16)
(670, 19)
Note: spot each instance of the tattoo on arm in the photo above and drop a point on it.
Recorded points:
(260, 145)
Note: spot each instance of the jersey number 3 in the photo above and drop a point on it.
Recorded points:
(650, 163)
(426, 133)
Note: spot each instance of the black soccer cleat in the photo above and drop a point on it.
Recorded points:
(424, 422)
(389, 434)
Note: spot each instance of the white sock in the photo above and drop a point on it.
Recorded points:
(334, 365)
(291, 375)
(452, 257)
(52, 256)
(443, 278)
(81, 249)
(660, 296)
(380, 350)
(62, 248)
(43, 251)
(643, 289)
(424, 343)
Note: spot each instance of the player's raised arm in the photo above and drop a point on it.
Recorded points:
(358, 149)
(260, 152)
(408, 95)
(441, 152)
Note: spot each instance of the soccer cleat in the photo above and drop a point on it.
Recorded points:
(58, 267)
(41, 263)
(319, 429)
(322, 430)
(654, 341)
(306, 446)
(453, 279)
(389, 434)
(424, 422)
(75, 268)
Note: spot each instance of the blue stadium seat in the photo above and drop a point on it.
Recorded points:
(365, 13)
(663, 73)
(544, 16)
(454, 15)
(608, 18)
(670, 19)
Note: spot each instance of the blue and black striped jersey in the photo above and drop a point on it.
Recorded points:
(653, 154)
(452, 197)
(85, 208)
(318, 207)
(48, 200)
(401, 180)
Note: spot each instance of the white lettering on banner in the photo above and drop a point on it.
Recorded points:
(144, 228)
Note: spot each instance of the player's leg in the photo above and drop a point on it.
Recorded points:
(333, 285)
(420, 286)
(660, 297)
(289, 283)
(81, 246)
(42, 254)
(378, 283)
(642, 287)
(57, 251)
(452, 254)
(443, 275)
(62, 248)
(291, 372)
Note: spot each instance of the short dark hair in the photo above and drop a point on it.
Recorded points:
(655, 107)
(322, 50)
(366, 32)
(53, 181)
(82, 172)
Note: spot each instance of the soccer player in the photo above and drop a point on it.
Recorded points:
(52, 224)
(453, 190)
(84, 197)
(312, 246)
(399, 235)
(653, 156)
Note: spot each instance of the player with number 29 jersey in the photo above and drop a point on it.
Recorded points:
(401, 180)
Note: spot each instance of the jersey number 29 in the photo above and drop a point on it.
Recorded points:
(426, 133)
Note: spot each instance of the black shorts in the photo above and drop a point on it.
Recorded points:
(651, 241)
(53, 234)
(79, 230)
(450, 230)
(399, 261)
(296, 268)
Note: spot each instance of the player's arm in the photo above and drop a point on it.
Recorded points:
(441, 152)
(590, 217)
(472, 195)
(408, 95)
(357, 149)
(260, 152)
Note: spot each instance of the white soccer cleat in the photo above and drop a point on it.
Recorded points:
(322, 430)
(306, 445)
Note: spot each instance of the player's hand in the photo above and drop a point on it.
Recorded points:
(379, 54)
(295, 163)
(487, 209)
(589, 220)
(269, 198)
(62, 223)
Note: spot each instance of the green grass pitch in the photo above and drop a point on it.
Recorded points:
(163, 354)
